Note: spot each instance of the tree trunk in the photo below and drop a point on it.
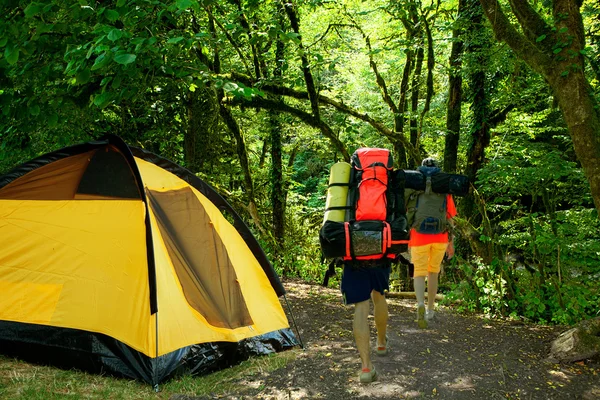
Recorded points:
(480, 134)
(277, 185)
(556, 53)
(202, 125)
(414, 100)
(454, 94)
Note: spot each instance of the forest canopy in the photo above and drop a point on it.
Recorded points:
(260, 98)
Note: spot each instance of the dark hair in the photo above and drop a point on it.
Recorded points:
(429, 162)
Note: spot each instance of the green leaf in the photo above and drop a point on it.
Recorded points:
(103, 99)
(112, 15)
(34, 110)
(83, 76)
(557, 50)
(121, 3)
(11, 53)
(32, 9)
(175, 40)
(52, 120)
(540, 38)
(125, 58)
(116, 82)
(230, 86)
(101, 61)
(115, 34)
(183, 4)
(3, 41)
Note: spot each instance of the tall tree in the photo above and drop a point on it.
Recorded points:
(557, 53)
(277, 186)
(479, 139)
(455, 91)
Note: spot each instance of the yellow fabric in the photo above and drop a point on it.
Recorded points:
(179, 324)
(427, 258)
(18, 305)
(80, 264)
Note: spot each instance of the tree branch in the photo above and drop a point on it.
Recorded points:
(307, 118)
(378, 78)
(505, 32)
(533, 25)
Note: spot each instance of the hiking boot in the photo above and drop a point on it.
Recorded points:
(368, 375)
(421, 322)
(429, 315)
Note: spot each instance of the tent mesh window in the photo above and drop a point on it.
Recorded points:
(207, 276)
(108, 175)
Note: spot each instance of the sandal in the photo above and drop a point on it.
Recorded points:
(368, 375)
(382, 350)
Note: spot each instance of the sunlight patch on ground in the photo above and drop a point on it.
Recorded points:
(559, 375)
(461, 383)
(380, 389)
(288, 394)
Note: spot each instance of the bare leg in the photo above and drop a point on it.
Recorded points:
(381, 316)
(432, 287)
(419, 282)
(361, 333)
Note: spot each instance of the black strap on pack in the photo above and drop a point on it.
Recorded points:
(331, 270)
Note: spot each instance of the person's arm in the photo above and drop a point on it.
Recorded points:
(450, 248)
(451, 214)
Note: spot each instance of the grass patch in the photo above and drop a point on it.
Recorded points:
(21, 380)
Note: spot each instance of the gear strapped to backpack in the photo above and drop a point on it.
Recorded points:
(374, 226)
(426, 209)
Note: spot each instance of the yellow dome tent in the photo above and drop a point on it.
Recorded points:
(115, 259)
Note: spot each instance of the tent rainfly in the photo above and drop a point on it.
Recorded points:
(115, 259)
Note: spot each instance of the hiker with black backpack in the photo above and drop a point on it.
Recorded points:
(430, 240)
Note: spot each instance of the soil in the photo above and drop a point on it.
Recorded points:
(457, 357)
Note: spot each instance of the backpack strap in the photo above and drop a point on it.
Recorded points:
(330, 271)
(428, 184)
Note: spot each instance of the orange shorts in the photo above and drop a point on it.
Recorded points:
(427, 258)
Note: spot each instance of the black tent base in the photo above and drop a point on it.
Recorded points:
(100, 354)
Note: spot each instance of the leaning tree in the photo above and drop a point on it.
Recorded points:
(557, 51)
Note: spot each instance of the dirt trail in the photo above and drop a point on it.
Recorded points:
(457, 357)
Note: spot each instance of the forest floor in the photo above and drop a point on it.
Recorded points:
(457, 357)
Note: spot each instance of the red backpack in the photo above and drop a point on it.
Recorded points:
(374, 226)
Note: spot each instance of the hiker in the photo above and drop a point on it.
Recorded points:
(361, 281)
(427, 252)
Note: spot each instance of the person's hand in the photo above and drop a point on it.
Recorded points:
(450, 250)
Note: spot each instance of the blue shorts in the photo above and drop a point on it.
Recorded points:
(358, 283)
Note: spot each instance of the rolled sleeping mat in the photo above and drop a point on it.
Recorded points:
(414, 180)
(441, 182)
(337, 192)
(457, 185)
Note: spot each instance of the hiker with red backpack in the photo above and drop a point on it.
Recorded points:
(430, 240)
(362, 231)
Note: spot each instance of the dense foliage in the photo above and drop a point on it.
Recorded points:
(220, 86)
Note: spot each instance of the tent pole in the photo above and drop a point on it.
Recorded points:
(154, 364)
(293, 320)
